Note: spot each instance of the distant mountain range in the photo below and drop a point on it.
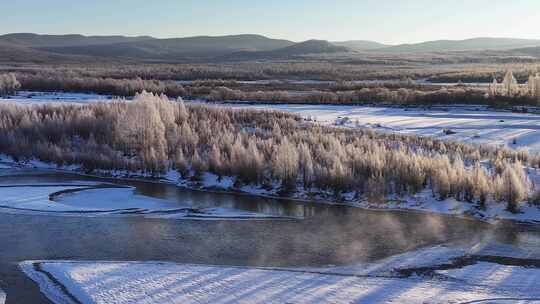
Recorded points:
(175, 49)
(474, 44)
(43, 48)
(36, 40)
(201, 48)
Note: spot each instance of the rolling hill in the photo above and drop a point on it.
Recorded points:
(299, 49)
(474, 44)
(200, 48)
(529, 51)
(176, 49)
(36, 40)
(10, 53)
(360, 45)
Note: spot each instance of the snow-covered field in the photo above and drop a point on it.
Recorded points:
(158, 282)
(477, 127)
(28, 97)
(2, 297)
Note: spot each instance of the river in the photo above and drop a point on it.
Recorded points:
(326, 234)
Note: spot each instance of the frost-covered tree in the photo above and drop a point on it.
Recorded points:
(285, 163)
(9, 84)
(154, 134)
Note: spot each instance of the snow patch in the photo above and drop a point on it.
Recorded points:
(90, 201)
(475, 125)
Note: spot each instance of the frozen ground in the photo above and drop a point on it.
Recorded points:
(27, 97)
(155, 282)
(478, 127)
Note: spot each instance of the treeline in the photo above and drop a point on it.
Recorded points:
(8, 84)
(346, 93)
(373, 95)
(390, 67)
(152, 134)
(486, 74)
(108, 86)
(228, 71)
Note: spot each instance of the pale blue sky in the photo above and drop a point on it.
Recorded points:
(389, 21)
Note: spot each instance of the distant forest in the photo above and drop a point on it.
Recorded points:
(404, 92)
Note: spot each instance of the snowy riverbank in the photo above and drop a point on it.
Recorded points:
(429, 275)
(421, 202)
(82, 198)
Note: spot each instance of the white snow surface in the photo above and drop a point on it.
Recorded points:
(520, 279)
(480, 126)
(160, 282)
(5, 166)
(20, 198)
(34, 97)
(2, 297)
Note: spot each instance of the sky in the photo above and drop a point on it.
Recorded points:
(387, 21)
